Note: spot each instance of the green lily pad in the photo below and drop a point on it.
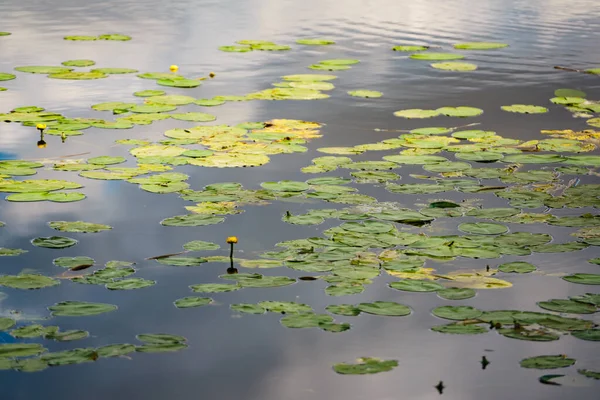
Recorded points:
(73, 262)
(589, 298)
(27, 281)
(247, 308)
(179, 83)
(461, 112)
(182, 261)
(43, 69)
(192, 301)
(455, 66)
(78, 226)
(384, 308)
(78, 63)
(200, 245)
(306, 320)
(455, 293)
(525, 109)
(209, 102)
(519, 267)
(308, 77)
(259, 281)
(6, 323)
(235, 49)
(161, 348)
(567, 306)
(285, 307)
(67, 357)
(365, 93)
(78, 75)
(430, 56)
(114, 71)
(81, 38)
(152, 108)
(584, 279)
(286, 186)
(409, 48)
(214, 288)
(482, 228)
(459, 329)
(547, 362)
(192, 220)
(130, 283)
(458, 313)
(533, 335)
(54, 242)
(480, 45)
(589, 374)
(149, 93)
(79, 308)
(365, 365)
(315, 42)
(114, 36)
(416, 113)
(4, 252)
(9, 350)
(194, 116)
(106, 160)
(115, 350)
(493, 213)
(589, 334)
(343, 309)
(410, 285)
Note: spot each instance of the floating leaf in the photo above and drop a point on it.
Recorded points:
(384, 308)
(436, 56)
(459, 329)
(307, 320)
(27, 281)
(130, 283)
(455, 293)
(54, 242)
(480, 45)
(567, 306)
(409, 48)
(460, 111)
(79, 308)
(482, 228)
(67, 357)
(589, 334)
(410, 285)
(192, 220)
(73, 262)
(519, 267)
(77, 75)
(285, 307)
(192, 301)
(4, 252)
(315, 42)
(78, 226)
(365, 93)
(589, 374)
(344, 309)
(456, 312)
(584, 279)
(365, 365)
(6, 323)
(20, 349)
(416, 113)
(525, 109)
(43, 69)
(547, 362)
(115, 350)
(455, 66)
(78, 63)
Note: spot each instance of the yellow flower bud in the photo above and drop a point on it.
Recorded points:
(41, 127)
(174, 68)
(232, 239)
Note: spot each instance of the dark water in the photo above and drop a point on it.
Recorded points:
(248, 356)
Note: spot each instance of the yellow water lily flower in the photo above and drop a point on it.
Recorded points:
(41, 127)
(174, 68)
(232, 239)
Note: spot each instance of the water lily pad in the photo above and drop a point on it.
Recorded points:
(455, 66)
(525, 109)
(209, 102)
(182, 261)
(532, 335)
(235, 49)
(4, 252)
(80, 308)
(384, 308)
(73, 262)
(584, 279)
(567, 306)
(114, 71)
(365, 365)
(114, 36)
(480, 45)
(343, 309)
(130, 284)
(194, 116)
(78, 63)
(306, 320)
(259, 281)
(416, 113)
(78, 226)
(54, 242)
(9, 350)
(409, 48)
(547, 362)
(315, 42)
(214, 288)
(5, 76)
(589, 334)
(247, 308)
(410, 285)
(192, 220)
(43, 69)
(285, 307)
(192, 301)
(519, 267)
(482, 228)
(78, 75)
(456, 312)
(179, 83)
(365, 93)
(286, 186)
(459, 329)
(6, 323)
(455, 293)
(67, 357)
(461, 112)
(115, 350)
(589, 374)
(82, 38)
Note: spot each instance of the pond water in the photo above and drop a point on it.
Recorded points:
(241, 355)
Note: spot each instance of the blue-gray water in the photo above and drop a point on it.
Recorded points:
(253, 357)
